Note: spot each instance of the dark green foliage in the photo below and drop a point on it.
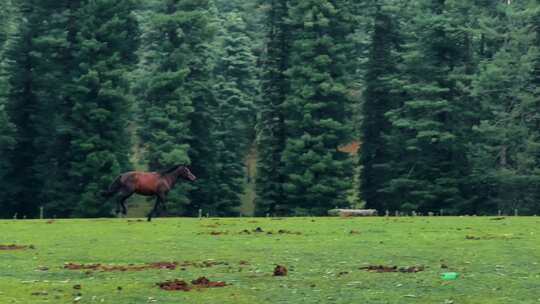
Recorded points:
(433, 118)
(448, 103)
(107, 38)
(377, 158)
(505, 153)
(271, 112)
(22, 105)
(317, 173)
(177, 96)
(234, 114)
(68, 101)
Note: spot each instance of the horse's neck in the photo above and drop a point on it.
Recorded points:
(171, 178)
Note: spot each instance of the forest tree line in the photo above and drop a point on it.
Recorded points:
(443, 96)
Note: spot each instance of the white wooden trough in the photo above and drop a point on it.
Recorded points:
(353, 212)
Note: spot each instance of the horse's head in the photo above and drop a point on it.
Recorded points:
(185, 173)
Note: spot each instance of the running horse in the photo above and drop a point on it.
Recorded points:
(156, 184)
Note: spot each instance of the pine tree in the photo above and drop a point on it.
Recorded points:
(23, 187)
(380, 96)
(107, 38)
(505, 152)
(235, 94)
(174, 109)
(435, 117)
(271, 135)
(318, 121)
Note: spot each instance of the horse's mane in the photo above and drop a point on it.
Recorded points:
(171, 169)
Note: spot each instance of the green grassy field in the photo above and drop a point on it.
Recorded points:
(498, 260)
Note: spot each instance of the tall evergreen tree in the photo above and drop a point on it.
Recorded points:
(107, 39)
(23, 187)
(174, 108)
(271, 112)
(318, 121)
(433, 121)
(380, 97)
(505, 152)
(235, 94)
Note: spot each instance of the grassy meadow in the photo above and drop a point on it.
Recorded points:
(498, 260)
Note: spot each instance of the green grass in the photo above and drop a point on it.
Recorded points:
(503, 266)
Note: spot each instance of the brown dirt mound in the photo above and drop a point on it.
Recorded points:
(382, 268)
(206, 283)
(280, 271)
(174, 285)
(201, 282)
(15, 247)
(100, 267)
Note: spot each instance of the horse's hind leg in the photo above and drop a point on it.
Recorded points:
(122, 202)
(154, 210)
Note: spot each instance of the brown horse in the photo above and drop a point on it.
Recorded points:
(148, 184)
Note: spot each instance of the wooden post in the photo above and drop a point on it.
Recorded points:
(200, 214)
(15, 216)
(499, 213)
(41, 212)
(515, 212)
(387, 213)
(442, 212)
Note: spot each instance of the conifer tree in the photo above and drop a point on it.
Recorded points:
(107, 39)
(22, 106)
(434, 118)
(175, 106)
(317, 173)
(380, 96)
(234, 115)
(271, 135)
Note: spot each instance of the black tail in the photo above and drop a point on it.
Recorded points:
(113, 188)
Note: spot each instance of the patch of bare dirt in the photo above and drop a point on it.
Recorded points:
(16, 247)
(101, 267)
(270, 232)
(174, 285)
(199, 283)
(203, 282)
(383, 268)
(280, 271)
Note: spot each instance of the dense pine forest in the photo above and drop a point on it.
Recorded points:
(263, 100)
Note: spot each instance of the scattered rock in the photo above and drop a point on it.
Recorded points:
(258, 229)
(77, 286)
(354, 232)
(280, 271)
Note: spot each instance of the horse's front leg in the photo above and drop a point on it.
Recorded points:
(162, 202)
(154, 210)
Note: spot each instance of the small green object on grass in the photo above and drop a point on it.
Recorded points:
(449, 276)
